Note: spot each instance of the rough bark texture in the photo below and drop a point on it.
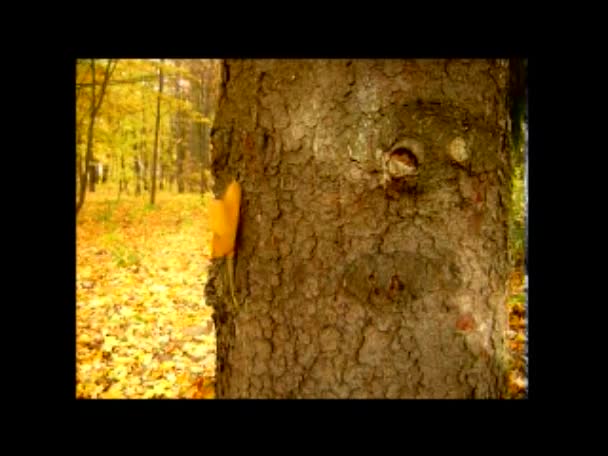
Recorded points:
(372, 252)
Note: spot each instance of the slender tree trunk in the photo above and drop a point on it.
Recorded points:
(78, 167)
(156, 130)
(204, 106)
(93, 176)
(144, 165)
(89, 152)
(105, 173)
(179, 143)
(195, 127)
(138, 172)
(93, 113)
(123, 186)
(140, 150)
(181, 153)
(371, 257)
(204, 158)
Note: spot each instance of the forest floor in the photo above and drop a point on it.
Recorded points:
(517, 337)
(143, 329)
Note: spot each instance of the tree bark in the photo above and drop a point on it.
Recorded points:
(372, 255)
(156, 130)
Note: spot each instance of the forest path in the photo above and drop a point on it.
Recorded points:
(143, 329)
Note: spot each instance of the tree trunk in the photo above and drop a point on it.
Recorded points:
(205, 110)
(140, 155)
(179, 165)
(105, 173)
(178, 135)
(202, 69)
(371, 257)
(210, 101)
(93, 113)
(78, 169)
(204, 158)
(89, 152)
(195, 128)
(92, 176)
(138, 172)
(156, 129)
(123, 183)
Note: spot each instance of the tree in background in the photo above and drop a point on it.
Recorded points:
(156, 129)
(90, 169)
(372, 253)
(204, 96)
(121, 127)
(199, 91)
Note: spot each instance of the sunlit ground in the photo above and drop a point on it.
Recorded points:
(143, 329)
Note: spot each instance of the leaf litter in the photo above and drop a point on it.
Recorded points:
(142, 327)
(517, 383)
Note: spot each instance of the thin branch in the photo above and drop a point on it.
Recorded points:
(121, 81)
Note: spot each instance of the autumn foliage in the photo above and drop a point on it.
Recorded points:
(143, 329)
